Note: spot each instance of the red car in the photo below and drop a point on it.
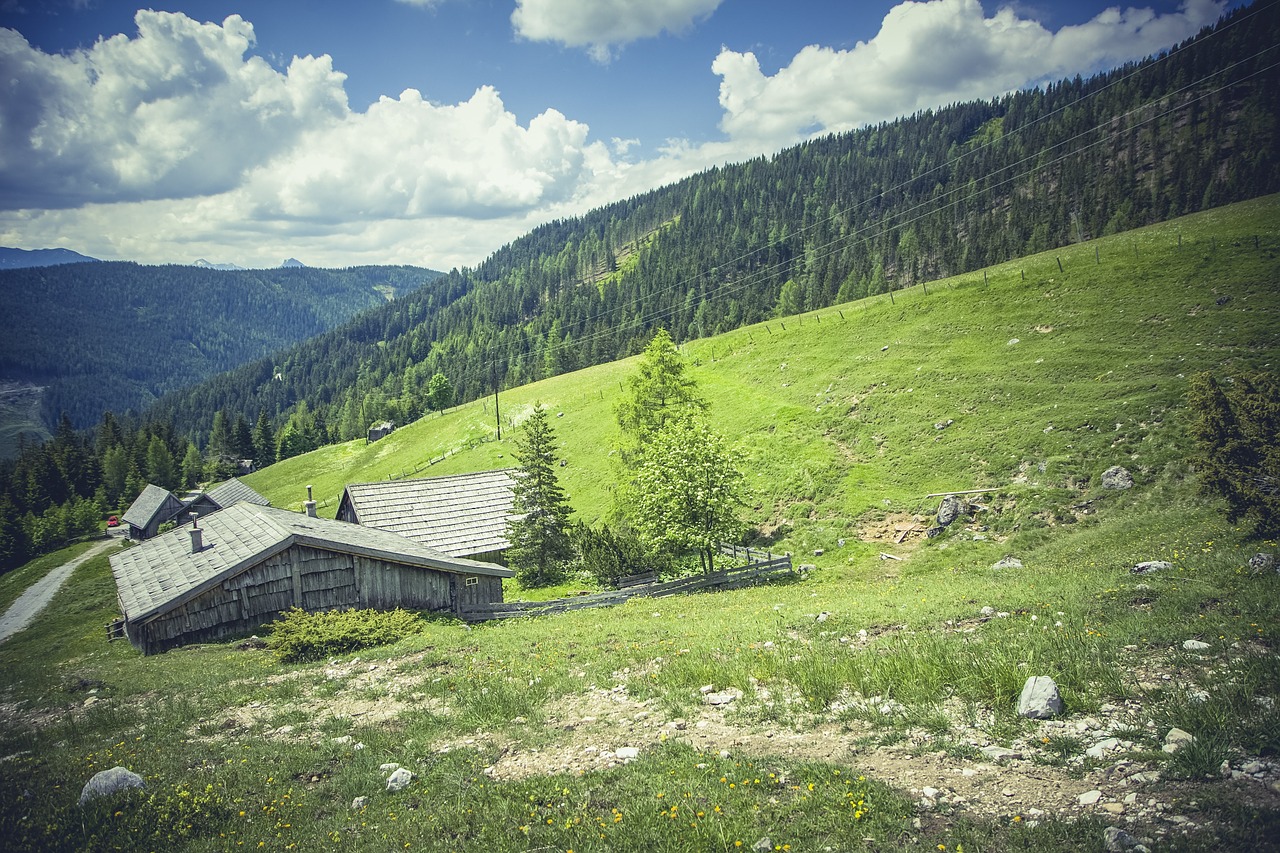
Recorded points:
(113, 521)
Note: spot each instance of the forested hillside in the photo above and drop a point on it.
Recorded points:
(869, 211)
(115, 336)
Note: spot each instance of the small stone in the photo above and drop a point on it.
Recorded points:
(1176, 739)
(342, 740)
(1195, 645)
(628, 753)
(1040, 698)
(1116, 840)
(1089, 798)
(999, 753)
(359, 803)
(724, 697)
(766, 843)
(1149, 566)
(1008, 563)
(1117, 477)
(1112, 808)
(930, 793)
(107, 782)
(389, 767)
(399, 780)
(1260, 563)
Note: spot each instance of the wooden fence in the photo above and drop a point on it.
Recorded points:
(764, 567)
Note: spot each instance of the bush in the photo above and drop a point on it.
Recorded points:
(1238, 436)
(608, 554)
(300, 636)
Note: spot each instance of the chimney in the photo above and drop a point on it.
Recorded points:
(197, 535)
(310, 504)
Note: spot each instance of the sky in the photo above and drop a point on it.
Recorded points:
(433, 132)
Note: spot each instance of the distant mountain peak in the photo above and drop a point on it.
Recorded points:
(292, 262)
(210, 265)
(12, 259)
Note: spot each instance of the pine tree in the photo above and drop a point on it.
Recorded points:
(539, 535)
(264, 442)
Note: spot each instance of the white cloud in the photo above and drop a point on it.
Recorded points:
(928, 54)
(176, 112)
(601, 25)
(408, 158)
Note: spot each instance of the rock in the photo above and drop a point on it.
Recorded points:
(1089, 798)
(818, 552)
(399, 780)
(1148, 566)
(389, 767)
(1260, 563)
(107, 782)
(359, 803)
(724, 697)
(1112, 808)
(1117, 477)
(999, 753)
(1176, 739)
(950, 509)
(342, 740)
(1195, 646)
(1116, 840)
(987, 610)
(1008, 563)
(1102, 747)
(628, 753)
(1040, 698)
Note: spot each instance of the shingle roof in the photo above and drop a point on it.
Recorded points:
(233, 492)
(162, 573)
(151, 501)
(458, 514)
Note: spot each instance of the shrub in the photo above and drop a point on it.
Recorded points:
(1238, 437)
(301, 636)
(608, 554)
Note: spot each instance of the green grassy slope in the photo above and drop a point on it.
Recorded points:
(238, 749)
(1046, 376)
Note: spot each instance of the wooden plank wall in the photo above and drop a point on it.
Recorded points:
(314, 580)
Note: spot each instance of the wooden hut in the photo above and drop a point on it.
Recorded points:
(151, 509)
(231, 572)
(463, 515)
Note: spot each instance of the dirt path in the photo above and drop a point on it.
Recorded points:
(31, 602)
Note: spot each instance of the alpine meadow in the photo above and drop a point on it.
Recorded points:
(914, 488)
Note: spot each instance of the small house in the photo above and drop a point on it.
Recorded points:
(381, 430)
(233, 571)
(149, 510)
(155, 506)
(463, 515)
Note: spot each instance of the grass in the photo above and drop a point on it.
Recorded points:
(842, 442)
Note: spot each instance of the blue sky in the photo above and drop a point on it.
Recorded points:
(433, 131)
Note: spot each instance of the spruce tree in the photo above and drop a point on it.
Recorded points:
(539, 534)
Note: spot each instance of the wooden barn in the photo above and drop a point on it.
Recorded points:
(156, 505)
(463, 515)
(233, 571)
(151, 509)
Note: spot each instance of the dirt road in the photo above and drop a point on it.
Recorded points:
(31, 602)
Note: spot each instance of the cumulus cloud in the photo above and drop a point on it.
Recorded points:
(178, 111)
(601, 25)
(928, 54)
(408, 158)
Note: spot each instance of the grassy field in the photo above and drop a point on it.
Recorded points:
(854, 689)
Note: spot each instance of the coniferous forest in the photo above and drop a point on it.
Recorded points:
(840, 217)
(843, 216)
